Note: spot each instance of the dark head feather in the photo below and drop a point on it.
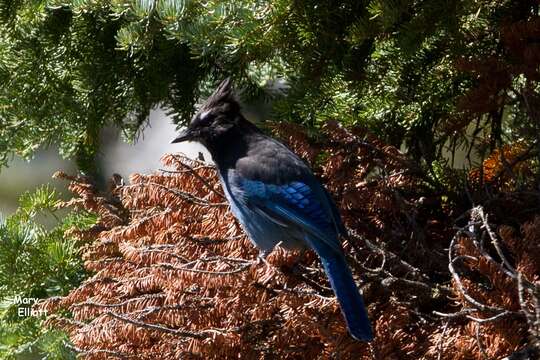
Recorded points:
(216, 119)
(223, 95)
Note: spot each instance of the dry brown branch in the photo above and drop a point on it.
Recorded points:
(177, 332)
(186, 196)
(109, 353)
(176, 276)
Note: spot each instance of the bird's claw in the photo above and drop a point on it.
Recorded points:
(262, 258)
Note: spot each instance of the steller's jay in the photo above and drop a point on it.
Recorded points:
(275, 196)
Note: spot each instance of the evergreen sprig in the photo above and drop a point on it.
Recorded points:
(36, 262)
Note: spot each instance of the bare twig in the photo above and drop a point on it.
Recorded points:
(184, 195)
(180, 157)
(388, 254)
(193, 171)
(178, 332)
(109, 353)
(440, 341)
(243, 265)
(479, 211)
(120, 304)
(492, 318)
(461, 313)
(523, 302)
(479, 342)
(477, 228)
(205, 240)
(159, 250)
(458, 282)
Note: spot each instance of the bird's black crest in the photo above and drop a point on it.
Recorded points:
(223, 94)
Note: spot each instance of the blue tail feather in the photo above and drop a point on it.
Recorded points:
(350, 300)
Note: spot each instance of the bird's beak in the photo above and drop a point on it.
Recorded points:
(184, 135)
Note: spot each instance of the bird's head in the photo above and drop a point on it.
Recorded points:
(216, 117)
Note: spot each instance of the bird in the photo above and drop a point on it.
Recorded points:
(275, 196)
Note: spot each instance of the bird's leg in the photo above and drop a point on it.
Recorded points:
(261, 258)
(263, 254)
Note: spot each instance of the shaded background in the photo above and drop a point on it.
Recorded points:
(117, 156)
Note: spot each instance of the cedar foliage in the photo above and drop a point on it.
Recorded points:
(174, 275)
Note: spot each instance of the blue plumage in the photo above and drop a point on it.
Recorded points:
(276, 197)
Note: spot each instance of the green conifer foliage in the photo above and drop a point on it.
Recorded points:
(68, 68)
(37, 261)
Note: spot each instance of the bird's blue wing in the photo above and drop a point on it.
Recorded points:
(294, 204)
(335, 212)
(309, 208)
